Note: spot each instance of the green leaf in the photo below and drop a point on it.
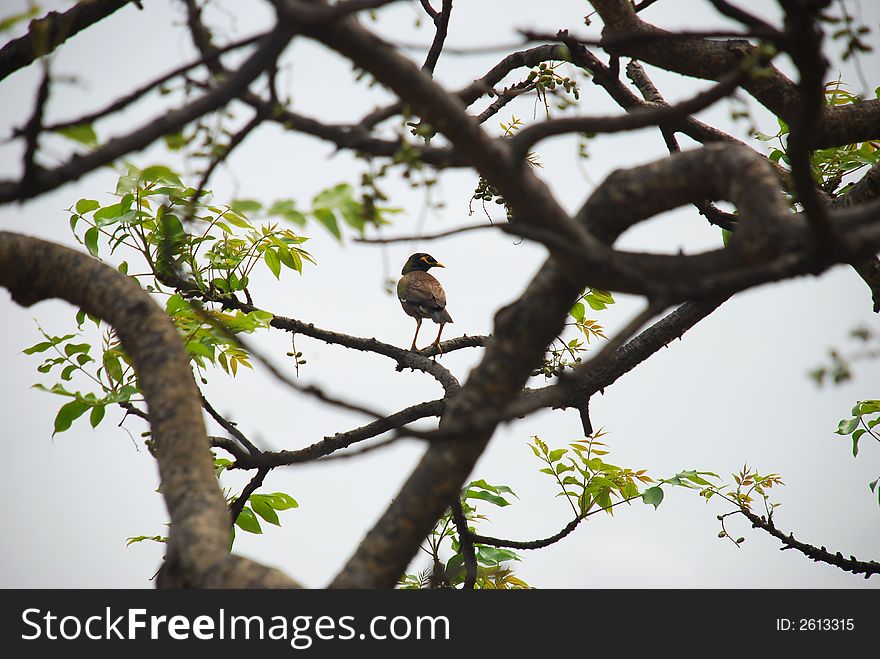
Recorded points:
(653, 496)
(273, 261)
(486, 496)
(846, 426)
(247, 521)
(595, 304)
(326, 217)
(73, 348)
(483, 485)
(236, 220)
(557, 454)
(91, 240)
(869, 407)
(602, 296)
(86, 205)
(175, 304)
(38, 347)
(855, 439)
(694, 477)
(112, 366)
(455, 568)
(160, 174)
(141, 538)
(353, 214)
(246, 206)
(264, 510)
(196, 348)
(68, 413)
(577, 311)
(96, 415)
(84, 134)
(494, 555)
(280, 500)
(287, 258)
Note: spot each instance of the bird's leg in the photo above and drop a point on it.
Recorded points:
(436, 343)
(418, 327)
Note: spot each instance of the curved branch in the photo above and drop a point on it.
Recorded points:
(198, 553)
(342, 440)
(819, 555)
(124, 101)
(699, 58)
(47, 33)
(645, 115)
(238, 505)
(44, 180)
(441, 22)
(530, 544)
(229, 427)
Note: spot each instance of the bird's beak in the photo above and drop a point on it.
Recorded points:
(437, 264)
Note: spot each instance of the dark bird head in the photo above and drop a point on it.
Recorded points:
(421, 261)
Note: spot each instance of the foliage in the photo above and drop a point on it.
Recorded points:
(265, 506)
(491, 571)
(584, 479)
(830, 166)
(199, 256)
(864, 421)
(748, 484)
(865, 414)
(566, 353)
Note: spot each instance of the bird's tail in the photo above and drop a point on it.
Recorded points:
(440, 316)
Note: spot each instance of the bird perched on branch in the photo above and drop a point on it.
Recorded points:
(421, 295)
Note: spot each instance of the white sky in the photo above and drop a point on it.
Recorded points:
(733, 391)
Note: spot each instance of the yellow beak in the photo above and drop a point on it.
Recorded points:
(437, 264)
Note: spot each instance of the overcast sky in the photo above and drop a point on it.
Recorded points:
(734, 391)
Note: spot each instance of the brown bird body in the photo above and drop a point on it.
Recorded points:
(421, 295)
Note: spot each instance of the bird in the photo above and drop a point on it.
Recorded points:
(421, 295)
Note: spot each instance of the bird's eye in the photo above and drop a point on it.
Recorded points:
(425, 259)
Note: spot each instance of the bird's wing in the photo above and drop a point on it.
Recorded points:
(422, 289)
(421, 295)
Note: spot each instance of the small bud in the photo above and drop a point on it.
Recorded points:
(722, 534)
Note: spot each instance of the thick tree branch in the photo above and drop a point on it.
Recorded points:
(698, 58)
(645, 115)
(198, 554)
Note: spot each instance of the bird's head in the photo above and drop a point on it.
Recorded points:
(421, 261)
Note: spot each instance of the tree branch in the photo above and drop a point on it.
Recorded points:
(169, 122)
(441, 23)
(817, 554)
(466, 545)
(47, 33)
(698, 58)
(198, 548)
